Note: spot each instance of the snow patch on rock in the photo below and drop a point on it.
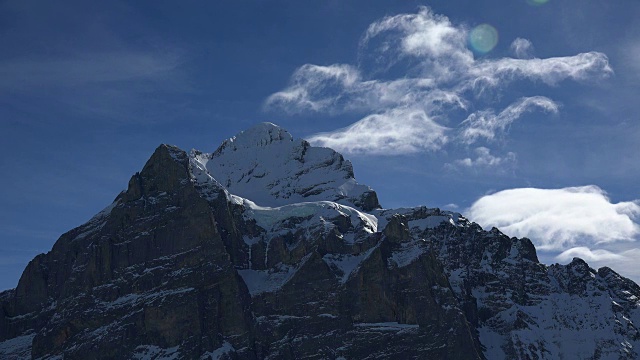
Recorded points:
(408, 252)
(217, 354)
(17, 348)
(346, 263)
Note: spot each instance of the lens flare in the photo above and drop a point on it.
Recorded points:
(483, 38)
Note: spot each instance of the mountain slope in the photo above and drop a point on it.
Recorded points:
(268, 248)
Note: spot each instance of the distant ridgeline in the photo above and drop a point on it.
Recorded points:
(268, 248)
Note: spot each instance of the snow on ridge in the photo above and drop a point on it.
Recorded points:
(420, 218)
(268, 217)
(96, 223)
(261, 134)
(430, 222)
(316, 214)
(201, 176)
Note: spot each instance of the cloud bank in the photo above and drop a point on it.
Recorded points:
(624, 261)
(556, 219)
(587, 254)
(416, 70)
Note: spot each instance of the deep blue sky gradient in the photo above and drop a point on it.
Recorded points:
(89, 89)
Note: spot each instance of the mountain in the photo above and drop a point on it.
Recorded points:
(268, 248)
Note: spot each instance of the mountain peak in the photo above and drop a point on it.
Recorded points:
(266, 165)
(259, 135)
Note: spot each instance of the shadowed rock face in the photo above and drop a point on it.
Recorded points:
(152, 270)
(180, 268)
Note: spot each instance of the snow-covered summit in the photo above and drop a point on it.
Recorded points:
(266, 165)
(259, 135)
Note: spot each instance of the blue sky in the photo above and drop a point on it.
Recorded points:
(538, 134)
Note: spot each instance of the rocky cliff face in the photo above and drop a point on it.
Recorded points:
(268, 248)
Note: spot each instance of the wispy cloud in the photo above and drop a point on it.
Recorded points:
(587, 254)
(317, 88)
(27, 74)
(522, 48)
(114, 86)
(551, 71)
(432, 39)
(556, 219)
(397, 131)
(340, 88)
(629, 55)
(484, 160)
(486, 124)
(420, 64)
(72, 61)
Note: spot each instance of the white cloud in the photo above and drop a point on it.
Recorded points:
(551, 71)
(398, 131)
(439, 44)
(623, 261)
(339, 88)
(451, 207)
(421, 62)
(484, 159)
(424, 33)
(587, 254)
(557, 218)
(522, 48)
(486, 124)
(310, 87)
